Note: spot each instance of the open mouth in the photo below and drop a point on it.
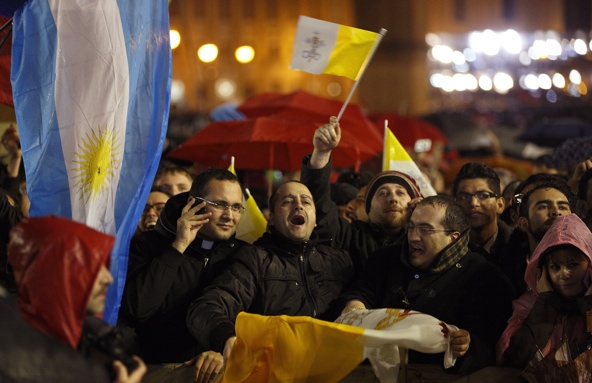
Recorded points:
(150, 225)
(297, 220)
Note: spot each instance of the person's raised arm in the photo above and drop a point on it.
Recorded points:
(326, 138)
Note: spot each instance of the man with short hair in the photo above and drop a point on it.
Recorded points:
(434, 272)
(540, 207)
(288, 271)
(388, 200)
(60, 268)
(170, 265)
(173, 179)
(477, 189)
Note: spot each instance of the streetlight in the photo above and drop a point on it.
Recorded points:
(244, 54)
(207, 53)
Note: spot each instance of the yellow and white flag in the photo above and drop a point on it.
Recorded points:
(324, 47)
(252, 224)
(303, 349)
(395, 157)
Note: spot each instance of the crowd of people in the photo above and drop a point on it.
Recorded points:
(508, 263)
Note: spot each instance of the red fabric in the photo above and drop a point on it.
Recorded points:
(566, 230)
(5, 86)
(56, 262)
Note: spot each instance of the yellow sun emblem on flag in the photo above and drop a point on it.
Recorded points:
(95, 161)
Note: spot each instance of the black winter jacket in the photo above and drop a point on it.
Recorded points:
(274, 277)
(162, 282)
(472, 294)
(359, 238)
(29, 356)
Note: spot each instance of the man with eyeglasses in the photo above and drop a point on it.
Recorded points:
(154, 206)
(288, 271)
(170, 265)
(477, 189)
(387, 202)
(435, 272)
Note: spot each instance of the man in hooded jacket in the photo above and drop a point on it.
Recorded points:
(60, 269)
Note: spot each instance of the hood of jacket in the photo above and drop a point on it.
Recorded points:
(56, 262)
(566, 230)
(167, 221)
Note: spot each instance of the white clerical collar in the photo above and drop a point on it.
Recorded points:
(207, 245)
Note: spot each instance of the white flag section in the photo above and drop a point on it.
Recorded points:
(388, 330)
(92, 123)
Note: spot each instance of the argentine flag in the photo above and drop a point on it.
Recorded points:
(91, 86)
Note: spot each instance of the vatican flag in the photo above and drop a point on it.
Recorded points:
(395, 157)
(324, 47)
(303, 349)
(252, 224)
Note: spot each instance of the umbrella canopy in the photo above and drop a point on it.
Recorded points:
(265, 143)
(301, 105)
(554, 131)
(413, 133)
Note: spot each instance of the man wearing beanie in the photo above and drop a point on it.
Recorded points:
(387, 202)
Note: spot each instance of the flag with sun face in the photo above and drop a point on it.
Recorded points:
(91, 82)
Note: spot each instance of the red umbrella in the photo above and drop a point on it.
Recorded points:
(265, 143)
(301, 105)
(411, 131)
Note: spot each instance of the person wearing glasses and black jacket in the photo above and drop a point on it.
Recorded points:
(170, 265)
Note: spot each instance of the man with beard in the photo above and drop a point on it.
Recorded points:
(288, 271)
(170, 265)
(539, 208)
(435, 272)
(387, 203)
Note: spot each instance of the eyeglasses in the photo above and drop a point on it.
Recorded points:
(480, 195)
(517, 199)
(426, 230)
(223, 206)
(157, 207)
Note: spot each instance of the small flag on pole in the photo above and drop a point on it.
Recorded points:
(252, 224)
(395, 157)
(324, 47)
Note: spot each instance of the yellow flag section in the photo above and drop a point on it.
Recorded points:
(252, 224)
(302, 349)
(324, 47)
(395, 157)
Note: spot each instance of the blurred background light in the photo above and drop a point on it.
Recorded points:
(207, 53)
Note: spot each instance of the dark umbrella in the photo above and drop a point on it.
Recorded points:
(551, 132)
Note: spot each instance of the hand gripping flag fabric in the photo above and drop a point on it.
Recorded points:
(252, 224)
(395, 157)
(324, 47)
(303, 349)
(91, 85)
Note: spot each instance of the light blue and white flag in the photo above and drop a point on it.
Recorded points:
(91, 86)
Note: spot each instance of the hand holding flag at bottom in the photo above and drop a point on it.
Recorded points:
(303, 349)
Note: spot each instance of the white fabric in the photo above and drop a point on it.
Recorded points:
(387, 330)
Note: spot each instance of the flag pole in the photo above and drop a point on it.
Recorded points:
(381, 34)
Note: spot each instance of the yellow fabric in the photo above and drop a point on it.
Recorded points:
(393, 151)
(292, 349)
(395, 157)
(351, 52)
(252, 224)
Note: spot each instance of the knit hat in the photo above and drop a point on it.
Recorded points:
(392, 177)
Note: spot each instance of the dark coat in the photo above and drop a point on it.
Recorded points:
(359, 238)
(162, 282)
(274, 277)
(470, 293)
(29, 356)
